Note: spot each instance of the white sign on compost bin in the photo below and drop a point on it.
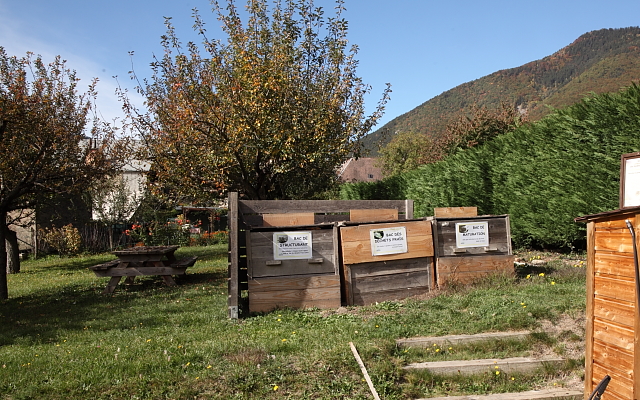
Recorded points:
(386, 241)
(292, 245)
(472, 234)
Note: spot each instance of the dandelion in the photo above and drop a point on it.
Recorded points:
(528, 276)
(450, 348)
(553, 283)
(541, 274)
(148, 340)
(208, 366)
(437, 350)
(497, 373)
(275, 387)
(513, 379)
(284, 340)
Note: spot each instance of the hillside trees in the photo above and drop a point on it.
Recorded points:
(271, 112)
(43, 147)
(474, 127)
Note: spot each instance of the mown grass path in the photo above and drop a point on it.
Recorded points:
(61, 338)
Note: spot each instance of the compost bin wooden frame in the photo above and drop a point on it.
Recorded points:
(245, 214)
(613, 320)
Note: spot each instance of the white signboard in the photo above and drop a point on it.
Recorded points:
(631, 182)
(388, 241)
(292, 245)
(472, 234)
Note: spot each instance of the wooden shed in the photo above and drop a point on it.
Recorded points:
(247, 215)
(386, 261)
(468, 248)
(613, 324)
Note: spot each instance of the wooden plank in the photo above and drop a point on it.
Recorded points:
(543, 394)
(613, 334)
(614, 264)
(616, 241)
(465, 270)
(288, 219)
(319, 206)
(621, 385)
(398, 281)
(356, 243)
(371, 215)
(499, 237)
(455, 212)
(233, 290)
(620, 288)
(613, 357)
(613, 310)
(367, 298)
(391, 267)
(140, 271)
(588, 361)
(265, 294)
(428, 341)
(636, 326)
(470, 367)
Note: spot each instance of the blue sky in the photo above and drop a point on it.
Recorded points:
(421, 47)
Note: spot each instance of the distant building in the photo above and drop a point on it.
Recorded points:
(360, 170)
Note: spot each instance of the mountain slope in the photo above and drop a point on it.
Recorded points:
(599, 61)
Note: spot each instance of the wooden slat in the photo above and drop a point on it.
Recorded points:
(591, 252)
(288, 219)
(356, 242)
(613, 334)
(265, 294)
(613, 357)
(233, 290)
(318, 206)
(621, 312)
(617, 241)
(373, 215)
(367, 298)
(468, 269)
(620, 288)
(636, 326)
(455, 212)
(397, 281)
(140, 271)
(614, 264)
(620, 386)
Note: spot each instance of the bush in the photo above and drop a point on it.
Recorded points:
(66, 240)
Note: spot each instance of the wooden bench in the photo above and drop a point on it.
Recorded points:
(184, 262)
(105, 266)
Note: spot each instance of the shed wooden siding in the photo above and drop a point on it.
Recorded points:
(369, 279)
(612, 320)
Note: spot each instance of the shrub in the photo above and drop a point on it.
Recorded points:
(66, 240)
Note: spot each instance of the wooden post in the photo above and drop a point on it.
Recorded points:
(591, 256)
(234, 281)
(636, 325)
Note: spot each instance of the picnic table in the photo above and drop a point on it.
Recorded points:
(143, 260)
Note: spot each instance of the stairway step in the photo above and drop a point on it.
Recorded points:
(547, 394)
(426, 341)
(470, 367)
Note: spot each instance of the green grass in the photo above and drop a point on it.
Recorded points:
(61, 338)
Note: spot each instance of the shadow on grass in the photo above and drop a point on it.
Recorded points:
(50, 314)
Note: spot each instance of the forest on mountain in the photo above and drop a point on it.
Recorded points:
(597, 62)
(543, 174)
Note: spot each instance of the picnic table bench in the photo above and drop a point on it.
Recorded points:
(144, 260)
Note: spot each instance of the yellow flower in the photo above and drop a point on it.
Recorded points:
(284, 340)
(528, 276)
(437, 350)
(541, 274)
(553, 283)
(275, 387)
(497, 372)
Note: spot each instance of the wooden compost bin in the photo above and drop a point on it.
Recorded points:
(613, 324)
(280, 277)
(247, 215)
(370, 278)
(483, 249)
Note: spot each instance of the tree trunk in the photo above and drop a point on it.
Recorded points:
(4, 292)
(13, 252)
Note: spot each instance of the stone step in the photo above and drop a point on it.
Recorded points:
(461, 339)
(547, 394)
(470, 367)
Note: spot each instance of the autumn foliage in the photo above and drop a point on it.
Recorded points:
(271, 112)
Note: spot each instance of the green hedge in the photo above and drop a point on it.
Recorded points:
(543, 174)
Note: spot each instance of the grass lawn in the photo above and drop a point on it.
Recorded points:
(60, 338)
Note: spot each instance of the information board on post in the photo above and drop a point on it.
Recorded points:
(292, 245)
(385, 241)
(472, 234)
